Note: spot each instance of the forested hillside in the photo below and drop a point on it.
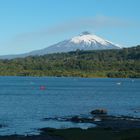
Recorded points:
(104, 63)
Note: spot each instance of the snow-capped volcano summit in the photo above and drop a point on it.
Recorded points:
(84, 41)
(88, 38)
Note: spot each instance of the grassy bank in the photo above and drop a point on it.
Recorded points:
(79, 134)
(95, 134)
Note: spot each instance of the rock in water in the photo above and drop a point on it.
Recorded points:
(99, 112)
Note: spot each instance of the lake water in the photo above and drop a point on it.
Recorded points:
(25, 101)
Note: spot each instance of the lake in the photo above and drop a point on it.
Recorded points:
(26, 101)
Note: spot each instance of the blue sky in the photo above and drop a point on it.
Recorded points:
(27, 25)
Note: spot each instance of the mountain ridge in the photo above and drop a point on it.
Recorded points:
(84, 41)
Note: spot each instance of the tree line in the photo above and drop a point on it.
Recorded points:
(101, 63)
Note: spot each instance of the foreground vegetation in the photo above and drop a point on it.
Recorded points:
(104, 63)
(79, 134)
(95, 134)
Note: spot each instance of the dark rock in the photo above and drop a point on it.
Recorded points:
(75, 119)
(99, 112)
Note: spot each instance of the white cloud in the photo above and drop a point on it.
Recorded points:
(95, 23)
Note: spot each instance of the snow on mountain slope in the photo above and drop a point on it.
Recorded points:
(85, 41)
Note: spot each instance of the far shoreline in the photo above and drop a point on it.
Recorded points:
(67, 77)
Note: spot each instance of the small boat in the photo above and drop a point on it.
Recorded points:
(119, 83)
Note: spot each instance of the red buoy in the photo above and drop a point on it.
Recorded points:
(42, 87)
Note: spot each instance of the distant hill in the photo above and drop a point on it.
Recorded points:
(100, 63)
(85, 41)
